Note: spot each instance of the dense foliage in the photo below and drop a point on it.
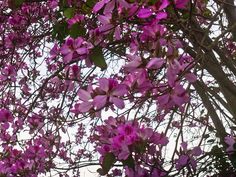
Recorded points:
(138, 87)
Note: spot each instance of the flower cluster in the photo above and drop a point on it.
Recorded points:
(136, 146)
(32, 161)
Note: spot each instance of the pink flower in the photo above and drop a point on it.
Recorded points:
(108, 92)
(74, 72)
(111, 92)
(151, 31)
(123, 4)
(74, 47)
(69, 48)
(103, 149)
(138, 81)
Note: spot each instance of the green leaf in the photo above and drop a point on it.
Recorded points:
(90, 3)
(233, 160)
(88, 6)
(186, 15)
(63, 4)
(101, 172)
(60, 31)
(14, 4)
(69, 12)
(98, 58)
(140, 147)
(129, 162)
(234, 145)
(76, 30)
(107, 163)
(18, 3)
(152, 2)
(207, 13)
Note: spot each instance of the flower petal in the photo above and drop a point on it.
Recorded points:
(109, 7)
(118, 102)
(68, 57)
(197, 151)
(99, 5)
(190, 77)
(84, 95)
(144, 13)
(120, 90)
(161, 15)
(82, 50)
(85, 106)
(183, 159)
(100, 101)
(124, 154)
(155, 63)
(104, 84)
(164, 4)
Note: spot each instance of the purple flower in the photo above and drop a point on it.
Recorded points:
(182, 161)
(111, 92)
(144, 13)
(229, 140)
(99, 5)
(129, 131)
(74, 47)
(5, 115)
(159, 138)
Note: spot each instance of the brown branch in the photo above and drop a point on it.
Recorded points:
(230, 12)
(211, 111)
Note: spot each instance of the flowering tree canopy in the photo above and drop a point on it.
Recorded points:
(140, 88)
